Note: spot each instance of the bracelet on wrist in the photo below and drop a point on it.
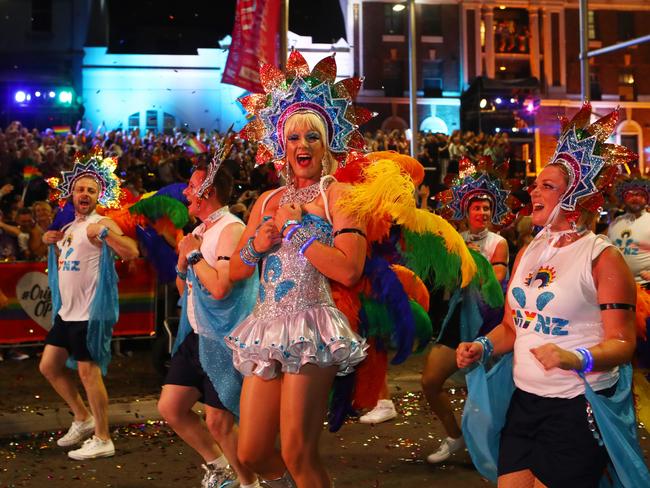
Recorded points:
(292, 231)
(249, 256)
(306, 245)
(194, 257)
(488, 348)
(586, 359)
(288, 223)
(181, 274)
(103, 233)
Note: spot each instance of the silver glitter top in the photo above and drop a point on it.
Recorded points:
(289, 282)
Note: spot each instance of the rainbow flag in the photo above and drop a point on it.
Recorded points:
(196, 146)
(61, 129)
(31, 172)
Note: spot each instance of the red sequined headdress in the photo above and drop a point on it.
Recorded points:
(297, 90)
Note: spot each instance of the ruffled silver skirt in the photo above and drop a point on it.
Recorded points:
(320, 335)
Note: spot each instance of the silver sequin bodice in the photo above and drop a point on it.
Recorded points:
(289, 282)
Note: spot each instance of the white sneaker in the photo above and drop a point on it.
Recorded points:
(79, 430)
(93, 448)
(219, 477)
(446, 449)
(383, 411)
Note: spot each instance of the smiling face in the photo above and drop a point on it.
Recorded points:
(193, 185)
(546, 192)
(305, 145)
(479, 214)
(85, 193)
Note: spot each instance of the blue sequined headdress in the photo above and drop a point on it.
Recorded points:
(97, 167)
(591, 163)
(302, 90)
(630, 183)
(478, 181)
(215, 163)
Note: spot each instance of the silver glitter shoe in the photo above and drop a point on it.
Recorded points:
(219, 477)
(286, 481)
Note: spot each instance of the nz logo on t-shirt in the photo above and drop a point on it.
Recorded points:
(626, 244)
(544, 324)
(66, 264)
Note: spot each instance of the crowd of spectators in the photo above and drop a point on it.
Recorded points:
(149, 161)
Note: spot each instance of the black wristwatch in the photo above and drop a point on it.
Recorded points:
(194, 257)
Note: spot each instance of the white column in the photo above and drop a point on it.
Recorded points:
(360, 50)
(488, 16)
(533, 20)
(548, 47)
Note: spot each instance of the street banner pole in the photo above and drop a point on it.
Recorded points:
(413, 83)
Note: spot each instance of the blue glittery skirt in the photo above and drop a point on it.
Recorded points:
(320, 335)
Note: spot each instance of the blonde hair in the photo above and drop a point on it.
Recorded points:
(314, 122)
(587, 218)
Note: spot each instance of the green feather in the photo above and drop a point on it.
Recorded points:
(423, 327)
(486, 281)
(158, 206)
(428, 257)
(379, 323)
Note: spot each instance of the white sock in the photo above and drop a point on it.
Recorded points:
(220, 462)
(255, 484)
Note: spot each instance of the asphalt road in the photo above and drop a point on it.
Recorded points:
(149, 454)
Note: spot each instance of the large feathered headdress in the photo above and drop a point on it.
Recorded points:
(592, 164)
(297, 90)
(96, 166)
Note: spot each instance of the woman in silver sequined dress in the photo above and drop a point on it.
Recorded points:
(296, 341)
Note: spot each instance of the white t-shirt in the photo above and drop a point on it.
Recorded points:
(487, 245)
(557, 303)
(78, 266)
(632, 237)
(209, 251)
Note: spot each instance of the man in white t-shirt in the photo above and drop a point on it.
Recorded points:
(79, 250)
(630, 232)
(201, 368)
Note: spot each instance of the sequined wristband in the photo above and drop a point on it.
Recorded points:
(300, 236)
(586, 359)
(306, 245)
(249, 256)
(488, 348)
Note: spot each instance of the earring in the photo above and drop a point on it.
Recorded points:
(287, 175)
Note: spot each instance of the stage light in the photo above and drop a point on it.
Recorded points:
(497, 130)
(530, 107)
(502, 68)
(483, 103)
(37, 94)
(51, 94)
(65, 96)
(497, 100)
(28, 97)
(502, 7)
(398, 7)
(20, 96)
(513, 100)
(514, 129)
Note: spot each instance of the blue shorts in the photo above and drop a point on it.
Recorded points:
(72, 336)
(186, 370)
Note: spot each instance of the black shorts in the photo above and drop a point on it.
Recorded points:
(186, 370)
(438, 308)
(551, 438)
(71, 336)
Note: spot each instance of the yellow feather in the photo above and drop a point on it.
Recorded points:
(388, 192)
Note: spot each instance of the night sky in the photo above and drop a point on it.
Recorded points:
(179, 27)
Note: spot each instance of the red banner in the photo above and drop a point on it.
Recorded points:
(28, 316)
(253, 41)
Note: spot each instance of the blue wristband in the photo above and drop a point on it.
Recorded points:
(488, 348)
(587, 360)
(309, 242)
(292, 231)
(102, 234)
(288, 223)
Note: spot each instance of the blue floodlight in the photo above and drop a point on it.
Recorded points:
(51, 94)
(20, 96)
(37, 94)
(497, 100)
